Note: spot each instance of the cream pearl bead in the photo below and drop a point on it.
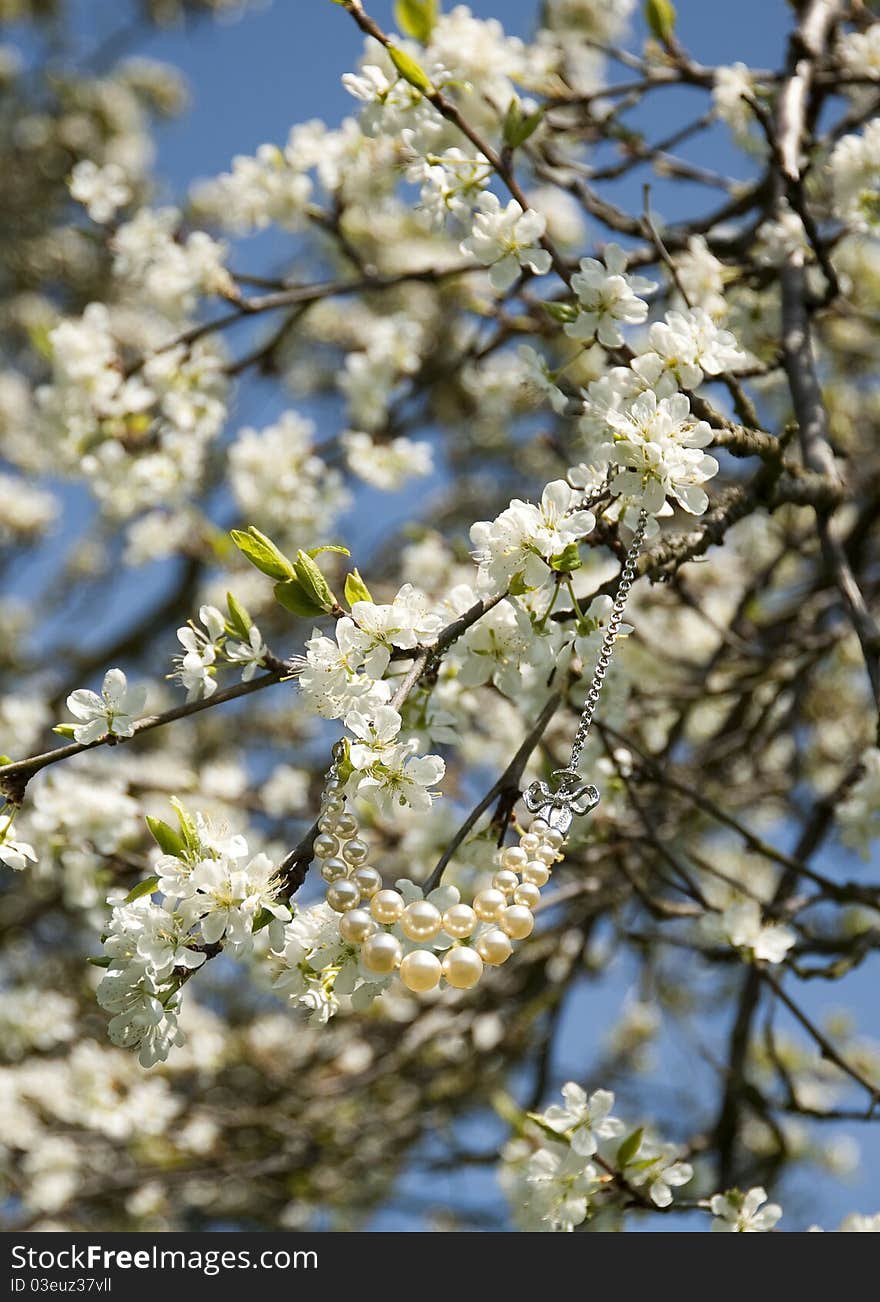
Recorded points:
(514, 856)
(367, 880)
(489, 904)
(355, 852)
(346, 825)
(526, 893)
(333, 869)
(343, 895)
(333, 785)
(494, 947)
(420, 970)
(326, 846)
(357, 926)
(536, 873)
(539, 826)
(381, 953)
(554, 838)
(505, 881)
(517, 921)
(459, 921)
(332, 805)
(546, 854)
(420, 920)
(529, 842)
(387, 906)
(328, 823)
(462, 967)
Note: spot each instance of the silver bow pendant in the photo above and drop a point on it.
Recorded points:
(558, 807)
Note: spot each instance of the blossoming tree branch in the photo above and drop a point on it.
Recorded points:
(314, 852)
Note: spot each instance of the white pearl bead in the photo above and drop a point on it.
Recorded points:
(355, 852)
(333, 785)
(368, 881)
(546, 854)
(505, 881)
(420, 970)
(459, 921)
(494, 947)
(517, 921)
(514, 856)
(420, 920)
(356, 926)
(381, 953)
(333, 869)
(528, 894)
(529, 842)
(326, 846)
(343, 895)
(539, 826)
(489, 904)
(346, 825)
(554, 838)
(536, 873)
(332, 804)
(327, 823)
(387, 906)
(462, 967)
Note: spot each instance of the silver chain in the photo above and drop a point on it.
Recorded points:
(603, 660)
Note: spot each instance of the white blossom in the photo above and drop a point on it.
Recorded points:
(607, 298)
(101, 190)
(506, 240)
(113, 713)
(744, 1213)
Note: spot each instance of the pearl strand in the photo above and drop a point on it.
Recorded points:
(483, 934)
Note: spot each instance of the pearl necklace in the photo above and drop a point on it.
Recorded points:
(395, 936)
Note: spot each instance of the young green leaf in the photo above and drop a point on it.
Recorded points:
(416, 18)
(629, 1147)
(103, 961)
(168, 841)
(63, 729)
(313, 582)
(410, 70)
(518, 126)
(327, 547)
(239, 622)
(262, 552)
(356, 589)
(660, 16)
(293, 597)
(143, 888)
(188, 829)
(561, 312)
(567, 560)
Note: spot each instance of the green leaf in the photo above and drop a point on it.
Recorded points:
(327, 547)
(262, 552)
(5, 759)
(410, 70)
(64, 729)
(293, 597)
(168, 841)
(143, 888)
(239, 622)
(660, 16)
(103, 961)
(188, 829)
(629, 1147)
(561, 312)
(263, 918)
(416, 18)
(313, 582)
(518, 586)
(518, 126)
(567, 560)
(356, 589)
